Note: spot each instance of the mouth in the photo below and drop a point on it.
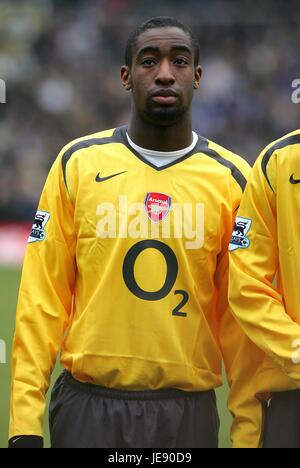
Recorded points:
(164, 96)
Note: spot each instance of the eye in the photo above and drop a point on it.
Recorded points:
(181, 61)
(148, 62)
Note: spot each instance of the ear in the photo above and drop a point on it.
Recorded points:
(197, 77)
(126, 77)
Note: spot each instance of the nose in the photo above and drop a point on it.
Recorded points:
(164, 75)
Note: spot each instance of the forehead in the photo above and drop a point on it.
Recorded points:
(163, 38)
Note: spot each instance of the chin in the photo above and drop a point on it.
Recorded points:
(164, 116)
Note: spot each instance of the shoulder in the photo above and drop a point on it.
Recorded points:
(283, 143)
(238, 167)
(231, 157)
(99, 138)
(283, 148)
(80, 146)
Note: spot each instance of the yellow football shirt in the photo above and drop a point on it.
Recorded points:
(265, 247)
(126, 273)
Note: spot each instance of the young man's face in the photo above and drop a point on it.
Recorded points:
(163, 75)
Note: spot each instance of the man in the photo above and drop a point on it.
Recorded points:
(266, 250)
(126, 273)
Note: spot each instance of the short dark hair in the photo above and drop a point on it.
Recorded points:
(160, 22)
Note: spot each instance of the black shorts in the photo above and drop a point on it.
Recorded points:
(88, 416)
(282, 423)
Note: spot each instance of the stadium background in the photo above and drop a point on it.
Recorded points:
(60, 61)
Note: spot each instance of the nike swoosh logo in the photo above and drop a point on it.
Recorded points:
(102, 179)
(15, 440)
(294, 181)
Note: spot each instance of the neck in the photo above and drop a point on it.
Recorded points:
(161, 138)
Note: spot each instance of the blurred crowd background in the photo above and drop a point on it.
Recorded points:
(61, 59)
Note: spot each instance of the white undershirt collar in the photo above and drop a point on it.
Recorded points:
(162, 158)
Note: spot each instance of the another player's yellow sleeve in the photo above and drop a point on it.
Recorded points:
(241, 357)
(254, 260)
(44, 305)
(242, 360)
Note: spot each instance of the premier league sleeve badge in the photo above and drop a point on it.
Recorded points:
(239, 239)
(38, 232)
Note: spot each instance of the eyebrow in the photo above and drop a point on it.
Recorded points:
(181, 48)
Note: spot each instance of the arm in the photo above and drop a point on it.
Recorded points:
(254, 300)
(242, 359)
(44, 306)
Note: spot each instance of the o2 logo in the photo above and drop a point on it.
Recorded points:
(172, 272)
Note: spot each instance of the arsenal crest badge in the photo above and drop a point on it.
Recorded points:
(157, 206)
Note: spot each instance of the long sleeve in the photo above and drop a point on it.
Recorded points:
(242, 359)
(255, 299)
(44, 305)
